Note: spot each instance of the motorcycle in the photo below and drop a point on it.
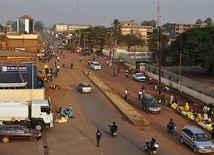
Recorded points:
(172, 130)
(150, 150)
(114, 133)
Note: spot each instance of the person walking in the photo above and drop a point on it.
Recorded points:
(98, 137)
(118, 69)
(126, 94)
(70, 111)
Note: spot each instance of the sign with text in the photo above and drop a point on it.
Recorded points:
(7, 69)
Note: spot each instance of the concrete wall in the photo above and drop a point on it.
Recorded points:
(193, 93)
(22, 94)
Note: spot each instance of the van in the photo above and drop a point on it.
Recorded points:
(95, 65)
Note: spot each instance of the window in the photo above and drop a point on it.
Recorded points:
(11, 130)
(45, 109)
(19, 130)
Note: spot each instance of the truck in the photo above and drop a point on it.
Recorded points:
(32, 114)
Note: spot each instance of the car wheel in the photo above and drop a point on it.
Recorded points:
(38, 126)
(182, 140)
(32, 138)
(194, 149)
(5, 139)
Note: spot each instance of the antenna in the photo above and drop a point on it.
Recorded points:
(158, 13)
(78, 22)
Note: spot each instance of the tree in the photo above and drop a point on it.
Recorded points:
(196, 46)
(116, 25)
(149, 23)
(199, 21)
(131, 40)
(208, 21)
(38, 26)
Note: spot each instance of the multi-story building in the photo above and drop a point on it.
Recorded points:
(25, 24)
(131, 27)
(176, 28)
(60, 27)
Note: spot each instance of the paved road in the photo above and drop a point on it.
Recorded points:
(119, 84)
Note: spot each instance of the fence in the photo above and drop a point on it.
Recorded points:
(201, 88)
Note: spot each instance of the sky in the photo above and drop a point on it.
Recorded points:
(103, 12)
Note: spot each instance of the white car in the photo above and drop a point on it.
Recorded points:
(95, 65)
(139, 77)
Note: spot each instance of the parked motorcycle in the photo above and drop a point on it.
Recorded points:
(149, 149)
(172, 129)
(114, 133)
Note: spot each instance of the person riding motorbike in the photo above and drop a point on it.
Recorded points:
(171, 125)
(113, 128)
(152, 143)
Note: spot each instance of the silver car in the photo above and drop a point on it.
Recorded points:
(84, 87)
(196, 139)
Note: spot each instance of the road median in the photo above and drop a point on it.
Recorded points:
(127, 110)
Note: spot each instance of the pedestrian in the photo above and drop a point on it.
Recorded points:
(98, 137)
(80, 59)
(150, 80)
(70, 111)
(63, 64)
(57, 68)
(114, 72)
(163, 99)
(57, 59)
(126, 94)
(140, 94)
(171, 99)
(89, 62)
(130, 69)
(88, 71)
(118, 69)
(143, 89)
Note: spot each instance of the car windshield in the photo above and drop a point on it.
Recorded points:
(201, 137)
(96, 65)
(86, 85)
(152, 101)
(139, 75)
(25, 129)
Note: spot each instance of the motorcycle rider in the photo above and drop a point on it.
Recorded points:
(113, 128)
(152, 143)
(171, 124)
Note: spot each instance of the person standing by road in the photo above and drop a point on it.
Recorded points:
(126, 94)
(98, 137)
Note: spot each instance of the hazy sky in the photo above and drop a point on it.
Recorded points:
(103, 12)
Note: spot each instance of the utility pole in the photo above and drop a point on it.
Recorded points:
(110, 52)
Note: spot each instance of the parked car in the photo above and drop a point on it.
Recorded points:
(95, 65)
(8, 132)
(139, 77)
(150, 104)
(84, 87)
(196, 139)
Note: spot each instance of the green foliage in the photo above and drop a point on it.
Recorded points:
(208, 21)
(149, 23)
(196, 46)
(199, 21)
(38, 26)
